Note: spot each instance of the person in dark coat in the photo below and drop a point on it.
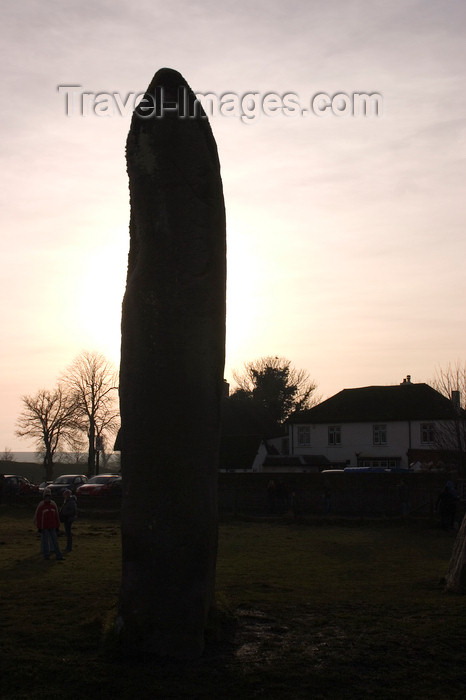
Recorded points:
(446, 506)
(68, 514)
(272, 496)
(282, 497)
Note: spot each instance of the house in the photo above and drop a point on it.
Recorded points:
(377, 426)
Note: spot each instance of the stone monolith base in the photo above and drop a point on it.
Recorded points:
(171, 377)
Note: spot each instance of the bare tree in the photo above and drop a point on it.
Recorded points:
(74, 456)
(7, 456)
(451, 382)
(48, 419)
(277, 385)
(451, 378)
(92, 380)
(451, 435)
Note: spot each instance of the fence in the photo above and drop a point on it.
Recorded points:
(350, 494)
(340, 494)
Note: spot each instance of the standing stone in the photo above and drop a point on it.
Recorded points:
(171, 375)
(455, 579)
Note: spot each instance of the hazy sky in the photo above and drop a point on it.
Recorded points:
(346, 235)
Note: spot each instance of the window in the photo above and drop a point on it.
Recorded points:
(304, 435)
(379, 434)
(427, 433)
(334, 434)
(390, 463)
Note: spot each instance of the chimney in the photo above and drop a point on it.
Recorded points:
(455, 399)
(407, 379)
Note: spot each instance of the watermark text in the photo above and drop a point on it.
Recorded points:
(247, 107)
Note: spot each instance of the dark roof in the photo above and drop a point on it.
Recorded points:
(380, 403)
(296, 461)
(282, 461)
(315, 460)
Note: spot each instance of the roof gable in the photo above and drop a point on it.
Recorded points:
(401, 402)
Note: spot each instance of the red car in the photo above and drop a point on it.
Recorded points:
(14, 485)
(98, 485)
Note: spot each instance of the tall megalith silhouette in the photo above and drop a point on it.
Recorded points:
(171, 374)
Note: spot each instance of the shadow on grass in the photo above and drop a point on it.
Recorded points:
(304, 612)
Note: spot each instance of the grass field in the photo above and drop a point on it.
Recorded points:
(306, 611)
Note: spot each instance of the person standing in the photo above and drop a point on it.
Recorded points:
(47, 520)
(282, 497)
(404, 497)
(446, 505)
(272, 496)
(327, 497)
(68, 513)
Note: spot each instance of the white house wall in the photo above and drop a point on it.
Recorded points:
(357, 439)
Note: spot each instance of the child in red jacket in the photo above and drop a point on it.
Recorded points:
(47, 521)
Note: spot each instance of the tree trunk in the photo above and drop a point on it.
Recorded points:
(171, 377)
(91, 451)
(455, 580)
(48, 464)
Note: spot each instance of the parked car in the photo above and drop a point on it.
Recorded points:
(67, 481)
(99, 485)
(15, 485)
